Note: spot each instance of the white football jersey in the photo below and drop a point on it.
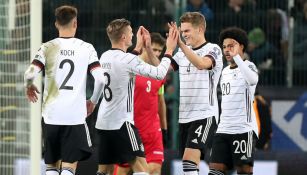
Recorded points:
(238, 114)
(65, 62)
(119, 70)
(198, 98)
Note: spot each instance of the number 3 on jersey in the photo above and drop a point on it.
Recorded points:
(107, 92)
(148, 89)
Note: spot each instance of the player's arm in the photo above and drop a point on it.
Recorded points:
(32, 71)
(162, 108)
(249, 72)
(206, 62)
(137, 66)
(95, 69)
(97, 73)
(162, 114)
(200, 62)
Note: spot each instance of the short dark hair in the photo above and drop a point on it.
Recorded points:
(116, 28)
(157, 38)
(235, 33)
(64, 14)
(195, 18)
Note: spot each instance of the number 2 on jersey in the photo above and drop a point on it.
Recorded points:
(225, 88)
(107, 89)
(71, 70)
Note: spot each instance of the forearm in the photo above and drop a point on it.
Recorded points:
(162, 112)
(98, 85)
(30, 74)
(199, 62)
(147, 70)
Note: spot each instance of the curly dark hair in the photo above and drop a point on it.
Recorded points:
(235, 33)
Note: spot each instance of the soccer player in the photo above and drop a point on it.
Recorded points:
(119, 139)
(150, 113)
(66, 61)
(233, 143)
(200, 65)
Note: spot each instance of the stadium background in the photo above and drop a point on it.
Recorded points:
(277, 28)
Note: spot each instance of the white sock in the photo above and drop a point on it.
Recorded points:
(67, 171)
(140, 173)
(52, 171)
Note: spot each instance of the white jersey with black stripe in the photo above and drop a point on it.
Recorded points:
(66, 62)
(119, 70)
(237, 114)
(198, 98)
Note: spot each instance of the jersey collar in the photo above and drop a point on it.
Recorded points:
(116, 49)
(66, 37)
(196, 48)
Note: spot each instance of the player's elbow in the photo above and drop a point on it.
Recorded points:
(201, 67)
(204, 64)
(253, 81)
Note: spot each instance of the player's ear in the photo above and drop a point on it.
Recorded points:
(242, 46)
(75, 23)
(56, 25)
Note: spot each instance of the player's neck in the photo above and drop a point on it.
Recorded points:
(199, 43)
(67, 33)
(120, 46)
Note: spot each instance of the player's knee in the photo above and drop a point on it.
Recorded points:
(154, 169)
(67, 171)
(189, 167)
(52, 171)
(214, 172)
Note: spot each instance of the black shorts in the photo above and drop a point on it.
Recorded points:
(119, 146)
(233, 149)
(197, 134)
(69, 143)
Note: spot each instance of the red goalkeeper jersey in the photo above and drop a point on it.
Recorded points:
(146, 117)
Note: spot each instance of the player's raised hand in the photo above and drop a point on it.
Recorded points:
(32, 92)
(171, 41)
(234, 49)
(174, 26)
(139, 39)
(146, 38)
